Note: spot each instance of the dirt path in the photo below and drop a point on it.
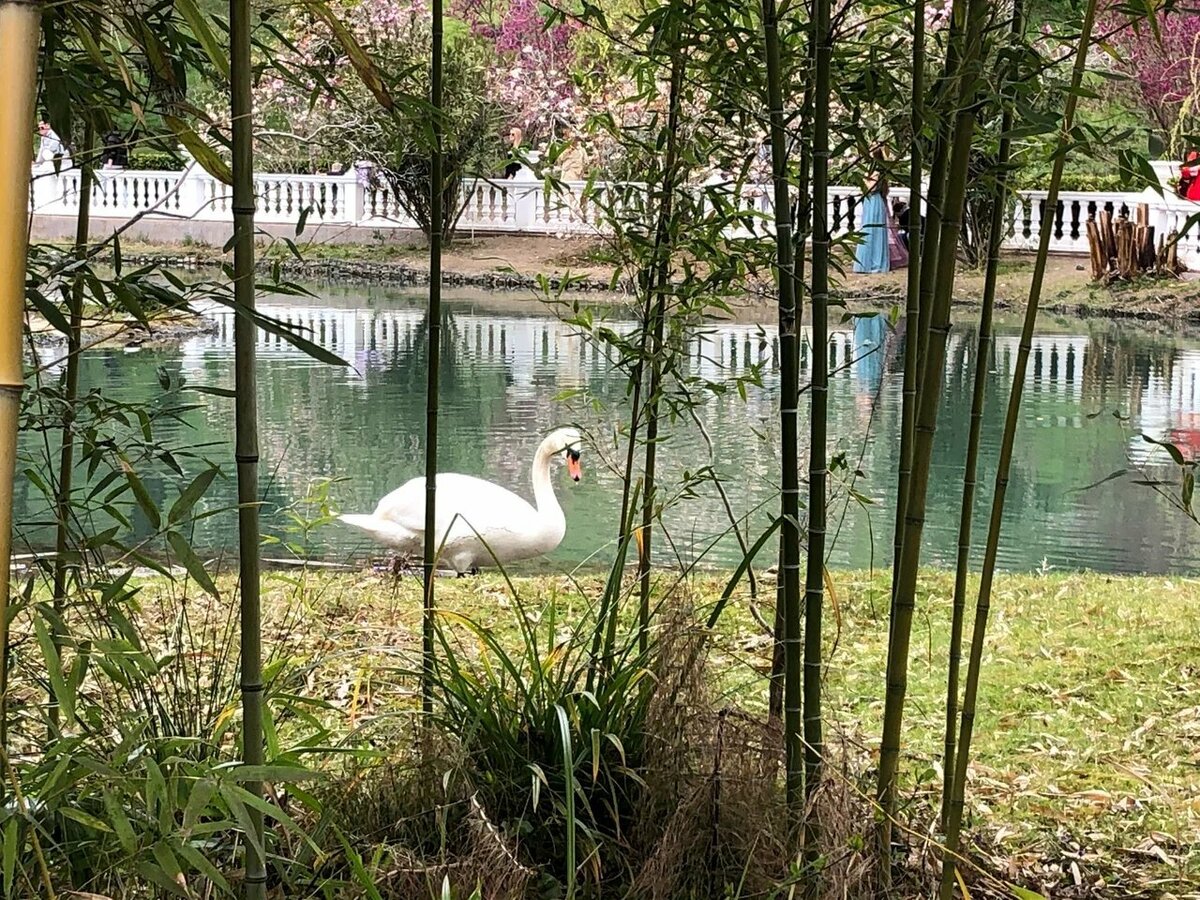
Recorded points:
(506, 261)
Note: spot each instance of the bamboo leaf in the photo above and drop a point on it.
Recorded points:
(316, 351)
(197, 802)
(192, 493)
(204, 154)
(120, 821)
(564, 728)
(86, 819)
(739, 572)
(198, 23)
(1175, 453)
(49, 311)
(203, 865)
(213, 391)
(190, 561)
(144, 500)
(53, 661)
(273, 773)
(356, 866)
(1111, 476)
(359, 58)
(11, 834)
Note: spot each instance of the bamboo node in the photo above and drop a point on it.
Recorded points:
(245, 457)
(253, 688)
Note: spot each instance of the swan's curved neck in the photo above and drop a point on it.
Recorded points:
(543, 487)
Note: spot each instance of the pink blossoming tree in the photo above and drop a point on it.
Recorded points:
(1162, 61)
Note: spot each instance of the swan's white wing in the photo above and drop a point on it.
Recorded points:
(489, 508)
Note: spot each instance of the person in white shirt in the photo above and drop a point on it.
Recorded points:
(51, 146)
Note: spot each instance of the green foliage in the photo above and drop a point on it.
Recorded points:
(383, 114)
(556, 746)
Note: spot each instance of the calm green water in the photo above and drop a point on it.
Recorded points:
(506, 374)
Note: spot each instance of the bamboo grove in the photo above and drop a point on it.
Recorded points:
(560, 760)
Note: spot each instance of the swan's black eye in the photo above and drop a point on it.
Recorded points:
(572, 455)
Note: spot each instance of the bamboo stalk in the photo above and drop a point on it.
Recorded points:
(19, 31)
(789, 572)
(800, 230)
(662, 284)
(246, 423)
(434, 337)
(982, 357)
(912, 313)
(818, 472)
(66, 457)
(983, 604)
(966, 85)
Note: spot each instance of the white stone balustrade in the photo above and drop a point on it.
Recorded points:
(527, 206)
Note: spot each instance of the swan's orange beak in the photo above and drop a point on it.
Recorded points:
(574, 469)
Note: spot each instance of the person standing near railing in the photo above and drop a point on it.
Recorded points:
(880, 250)
(573, 161)
(51, 148)
(1189, 177)
(516, 138)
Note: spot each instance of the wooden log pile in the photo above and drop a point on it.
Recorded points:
(1122, 250)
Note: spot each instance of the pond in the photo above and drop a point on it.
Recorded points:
(512, 371)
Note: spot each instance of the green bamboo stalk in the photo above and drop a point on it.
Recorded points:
(982, 356)
(434, 333)
(966, 86)
(912, 314)
(818, 472)
(66, 457)
(983, 604)
(19, 31)
(246, 425)
(801, 228)
(662, 285)
(789, 572)
(938, 174)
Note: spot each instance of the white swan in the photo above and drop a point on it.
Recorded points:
(469, 509)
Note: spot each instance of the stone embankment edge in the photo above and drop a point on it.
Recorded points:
(390, 274)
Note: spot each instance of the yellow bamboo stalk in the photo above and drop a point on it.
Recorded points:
(20, 21)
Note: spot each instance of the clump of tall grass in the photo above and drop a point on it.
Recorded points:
(549, 770)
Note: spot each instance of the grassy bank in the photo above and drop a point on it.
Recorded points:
(1086, 778)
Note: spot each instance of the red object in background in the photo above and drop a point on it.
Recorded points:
(1190, 171)
(1186, 436)
(1188, 442)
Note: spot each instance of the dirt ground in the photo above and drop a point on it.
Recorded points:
(1067, 288)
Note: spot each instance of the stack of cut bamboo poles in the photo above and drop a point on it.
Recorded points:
(1122, 250)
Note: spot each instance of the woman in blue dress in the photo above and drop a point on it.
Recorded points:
(872, 255)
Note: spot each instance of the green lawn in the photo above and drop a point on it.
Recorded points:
(1087, 747)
